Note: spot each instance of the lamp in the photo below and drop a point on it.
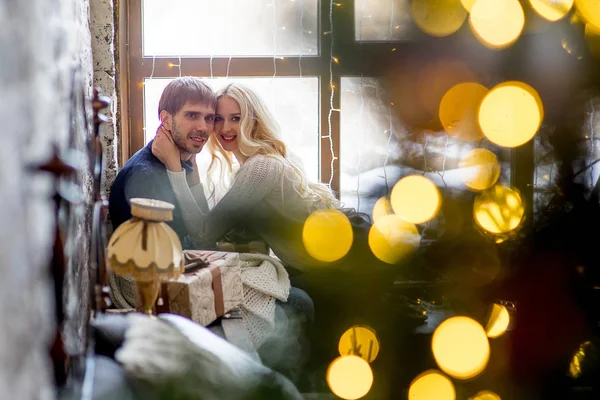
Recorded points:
(147, 249)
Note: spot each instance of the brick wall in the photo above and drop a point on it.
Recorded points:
(43, 44)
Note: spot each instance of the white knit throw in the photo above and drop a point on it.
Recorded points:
(264, 280)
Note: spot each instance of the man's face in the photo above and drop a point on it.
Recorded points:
(191, 127)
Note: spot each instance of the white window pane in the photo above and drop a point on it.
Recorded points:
(191, 28)
(366, 145)
(376, 149)
(293, 101)
(382, 20)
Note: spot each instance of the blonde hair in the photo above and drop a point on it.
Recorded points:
(259, 134)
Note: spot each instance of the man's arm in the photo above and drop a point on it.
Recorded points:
(145, 184)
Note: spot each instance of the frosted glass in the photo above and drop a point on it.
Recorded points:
(194, 28)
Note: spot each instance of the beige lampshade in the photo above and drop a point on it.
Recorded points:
(145, 247)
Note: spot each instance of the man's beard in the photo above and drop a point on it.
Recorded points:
(180, 141)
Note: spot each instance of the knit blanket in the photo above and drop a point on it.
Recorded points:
(264, 280)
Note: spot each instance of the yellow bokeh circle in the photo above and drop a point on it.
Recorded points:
(382, 208)
(498, 321)
(438, 17)
(480, 169)
(349, 377)
(458, 110)
(431, 385)
(468, 4)
(497, 24)
(511, 114)
(415, 199)
(327, 235)
(359, 341)
(485, 395)
(589, 11)
(460, 347)
(498, 210)
(552, 10)
(391, 238)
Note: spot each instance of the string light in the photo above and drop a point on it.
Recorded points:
(274, 50)
(302, 30)
(391, 127)
(360, 117)
(301, 42)
(592, 139)
(144, 84)
(391, 19)
(331, 96)
(228, 42)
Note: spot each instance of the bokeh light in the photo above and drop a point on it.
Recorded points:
(458, 110)
(415, 199)
(497, 24)
(511, 114)
(359, 341)
(468, 4)
(431, 385)
(327, 235)
(578, 359)
(499, 209)
(498, 321)
(391, 238)
(349, 377)
(573, 47)
(589, 11)
(592, 38)
(485, 395)
(438, 17)
(480, 169)
(552, 10)
(382, 208)
(460, 347)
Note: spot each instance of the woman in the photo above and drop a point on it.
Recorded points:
(271, 196)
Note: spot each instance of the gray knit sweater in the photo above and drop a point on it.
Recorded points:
(265, 195)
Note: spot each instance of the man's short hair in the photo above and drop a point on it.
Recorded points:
(183, 89)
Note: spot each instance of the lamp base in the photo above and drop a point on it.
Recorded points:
(148, 293)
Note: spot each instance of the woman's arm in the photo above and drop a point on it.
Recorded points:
(255, 179)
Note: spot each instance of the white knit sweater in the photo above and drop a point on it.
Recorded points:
(265, 195)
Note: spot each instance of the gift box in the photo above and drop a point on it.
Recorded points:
(210, 286)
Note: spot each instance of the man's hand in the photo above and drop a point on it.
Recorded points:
(165, 150)
(193, 179)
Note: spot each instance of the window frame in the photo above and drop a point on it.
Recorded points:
(350, 53)
(139, 67)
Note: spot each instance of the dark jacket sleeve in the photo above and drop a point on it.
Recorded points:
(146, 184)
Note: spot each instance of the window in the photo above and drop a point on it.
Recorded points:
(326, 70)
(295, 101)
(271, 45)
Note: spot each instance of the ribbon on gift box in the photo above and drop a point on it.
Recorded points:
(162, 304)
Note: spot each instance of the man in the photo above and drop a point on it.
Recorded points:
(187, 111)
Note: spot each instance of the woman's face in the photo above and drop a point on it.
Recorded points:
(227, 123)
